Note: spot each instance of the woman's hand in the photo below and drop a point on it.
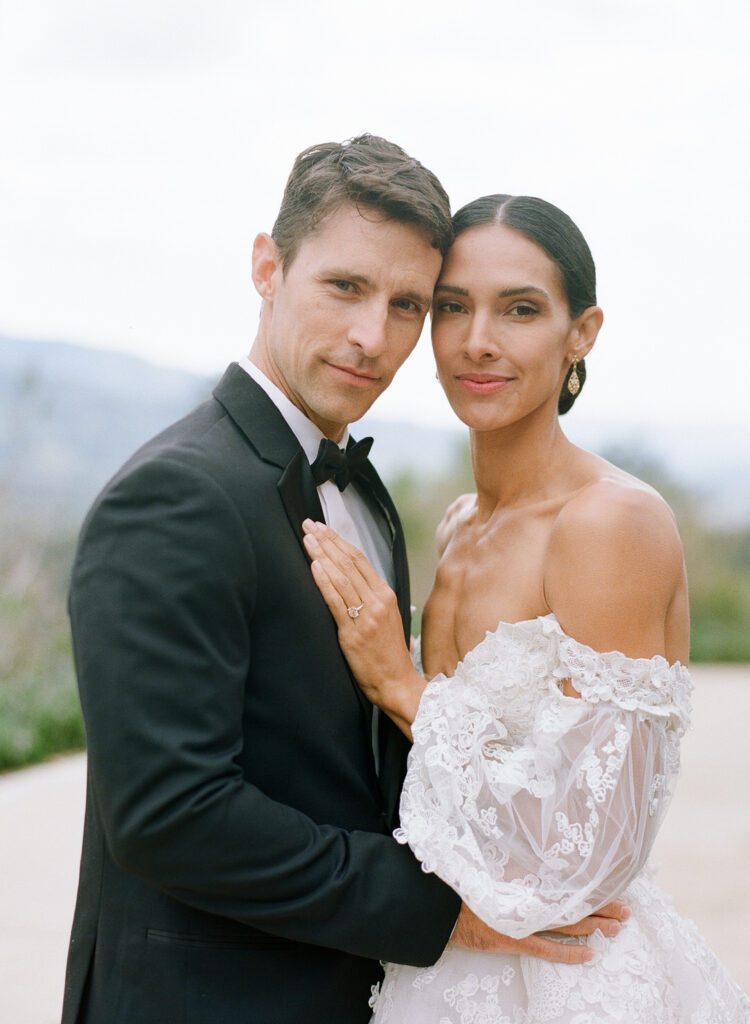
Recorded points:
(371, 632)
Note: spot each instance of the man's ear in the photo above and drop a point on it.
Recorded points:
(267, 268)
(586, 327)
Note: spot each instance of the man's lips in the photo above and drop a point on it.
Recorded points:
(356, 377)
(483, 383)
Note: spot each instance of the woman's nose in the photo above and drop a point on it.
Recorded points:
(482, 342)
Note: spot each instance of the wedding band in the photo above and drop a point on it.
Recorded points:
(353, 613)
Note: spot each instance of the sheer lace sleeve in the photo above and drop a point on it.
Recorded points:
(541, 832)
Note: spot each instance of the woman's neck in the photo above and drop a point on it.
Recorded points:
(520, 464)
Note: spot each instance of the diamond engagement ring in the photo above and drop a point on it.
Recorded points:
(353, 613)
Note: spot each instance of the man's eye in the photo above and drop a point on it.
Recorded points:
(343, 286)
(408, 305)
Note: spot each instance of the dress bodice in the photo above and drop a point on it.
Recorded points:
(518, 662)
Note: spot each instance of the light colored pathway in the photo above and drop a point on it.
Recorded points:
(703, 851)
(41, 820)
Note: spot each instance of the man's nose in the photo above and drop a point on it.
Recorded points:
(369, 329)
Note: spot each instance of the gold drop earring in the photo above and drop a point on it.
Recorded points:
(574, 381)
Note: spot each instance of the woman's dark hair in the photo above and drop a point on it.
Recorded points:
(370, 172)
(555, 233)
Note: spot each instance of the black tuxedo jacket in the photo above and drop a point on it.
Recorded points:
(237, 865)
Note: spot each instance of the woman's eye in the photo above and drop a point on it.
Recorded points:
(450, 307)
(523, 309)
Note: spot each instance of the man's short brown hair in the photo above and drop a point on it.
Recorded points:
(370, 172)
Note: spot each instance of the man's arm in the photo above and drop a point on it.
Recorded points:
(163, 590)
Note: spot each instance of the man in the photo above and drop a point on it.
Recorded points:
(237, 863)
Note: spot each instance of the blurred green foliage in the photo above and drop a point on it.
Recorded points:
(39, 710)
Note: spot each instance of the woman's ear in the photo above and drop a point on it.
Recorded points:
(267, 266)
(584, 331)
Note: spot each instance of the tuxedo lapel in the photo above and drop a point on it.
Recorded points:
(393, 745)
(256, 416)
(299, 494)
(368, 475)
(273, 439)
(275, 442)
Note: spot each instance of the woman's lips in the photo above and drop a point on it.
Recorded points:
(483, 383)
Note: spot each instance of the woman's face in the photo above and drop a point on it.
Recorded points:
(501, 328)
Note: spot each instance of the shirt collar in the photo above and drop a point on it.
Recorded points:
(308, 435)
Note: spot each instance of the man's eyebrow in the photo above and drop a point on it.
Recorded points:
(421, 300)
(452, 288)
(367, 282)
(339, 274)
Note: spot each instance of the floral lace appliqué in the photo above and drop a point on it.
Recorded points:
(537, 808)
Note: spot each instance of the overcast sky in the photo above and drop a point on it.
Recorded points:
(144, 143)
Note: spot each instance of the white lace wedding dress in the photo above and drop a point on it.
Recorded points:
(538, 809)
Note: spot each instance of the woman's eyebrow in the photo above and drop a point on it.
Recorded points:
(506, 293)
(509, 293)
(452, 288)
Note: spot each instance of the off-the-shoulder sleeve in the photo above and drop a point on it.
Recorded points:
(542, 833)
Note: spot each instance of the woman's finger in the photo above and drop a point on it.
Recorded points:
(342, 584)
(330, 594)
(362, 563)
(344, 577)
(349, 558)
(320, 544)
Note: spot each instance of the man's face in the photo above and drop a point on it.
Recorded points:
(345, 315)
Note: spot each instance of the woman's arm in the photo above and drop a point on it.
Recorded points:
(373, 639)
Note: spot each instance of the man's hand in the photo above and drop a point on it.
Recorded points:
(472, 933)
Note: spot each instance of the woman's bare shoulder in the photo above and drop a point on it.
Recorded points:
(613, 505)
(456, 513)
(614, 564)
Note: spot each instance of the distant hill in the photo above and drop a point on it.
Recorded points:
(69, 417)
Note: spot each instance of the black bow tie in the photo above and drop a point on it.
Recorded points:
(334, 463)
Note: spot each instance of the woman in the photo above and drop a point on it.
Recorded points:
(543, 758)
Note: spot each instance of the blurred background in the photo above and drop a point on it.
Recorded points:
(144, 145)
